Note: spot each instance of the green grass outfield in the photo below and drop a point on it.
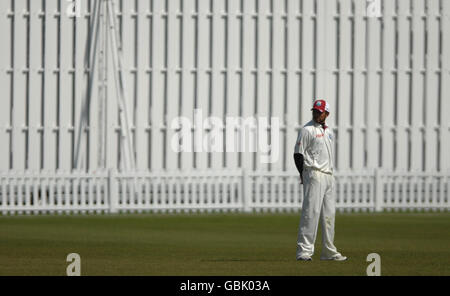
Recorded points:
(220, 244)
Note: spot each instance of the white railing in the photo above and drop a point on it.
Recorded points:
(211, 191)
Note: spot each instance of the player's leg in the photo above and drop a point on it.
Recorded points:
(327, 219)
(309, 220)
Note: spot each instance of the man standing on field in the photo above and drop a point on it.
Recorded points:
(314, 160)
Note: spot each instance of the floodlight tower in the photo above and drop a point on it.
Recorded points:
(103, 34)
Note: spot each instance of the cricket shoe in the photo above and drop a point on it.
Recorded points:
(335, 258)
(304, 258)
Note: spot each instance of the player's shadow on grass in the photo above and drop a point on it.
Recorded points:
(243, 260)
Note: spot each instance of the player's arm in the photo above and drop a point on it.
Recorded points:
(299, 160)
(302, 142)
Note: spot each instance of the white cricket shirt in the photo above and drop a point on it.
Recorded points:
(316, 145)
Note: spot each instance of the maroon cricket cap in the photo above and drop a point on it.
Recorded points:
(321, 105)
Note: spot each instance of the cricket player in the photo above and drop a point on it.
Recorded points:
(314, 160)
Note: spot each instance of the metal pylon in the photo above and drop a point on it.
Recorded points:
(104, 13)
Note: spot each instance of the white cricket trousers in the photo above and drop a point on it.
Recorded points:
(318, 203)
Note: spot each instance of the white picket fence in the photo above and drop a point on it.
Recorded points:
(212, 191)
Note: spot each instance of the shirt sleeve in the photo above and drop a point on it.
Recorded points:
(303, 140)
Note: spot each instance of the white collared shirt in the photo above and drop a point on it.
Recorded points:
(316, 145)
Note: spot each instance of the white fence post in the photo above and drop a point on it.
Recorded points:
(113, 191)
(246, 191)
(378, 191)
(447, 196)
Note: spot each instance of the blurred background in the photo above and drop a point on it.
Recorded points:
(90, 90)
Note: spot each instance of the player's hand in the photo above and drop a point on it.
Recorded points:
(301, 179)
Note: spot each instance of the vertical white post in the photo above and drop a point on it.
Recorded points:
(321, 50)
(82, 78)
(293, 79)
(445, 88)
(125, 121)
(234, 46)
(188, 72)
(447, 206)
(3, 198)
(5, 84)
(113, 191)
(157, 86)
(357, 104)
(373, 90)
(417, 89)
(342, 111)
(172, 85)
(308, 58)
(125, 25)
(143, 89)
(35, 85)
(66, 87)
(218, 51)
(50, 86)
(387, 98)
(263, 28)
(246, 191)
(403, 85)
(102, 76)
(249, 48)
(378, 191)
(19, 124)
(278, 69)
(432, 82)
